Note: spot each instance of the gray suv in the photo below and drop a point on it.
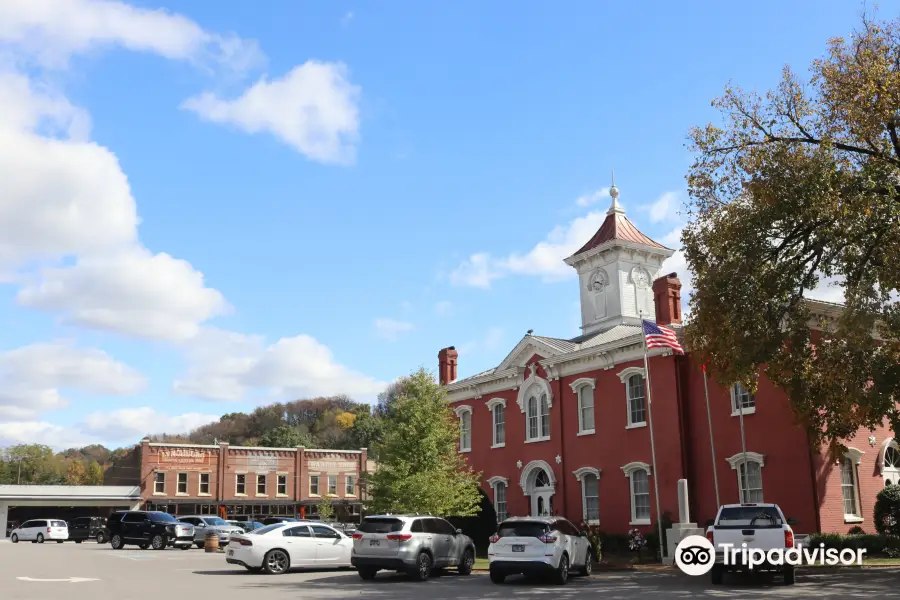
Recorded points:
(414, 544)
(206, 524)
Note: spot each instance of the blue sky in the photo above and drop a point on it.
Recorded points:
(224, 204)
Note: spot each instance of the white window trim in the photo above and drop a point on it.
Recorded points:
(352, 494)
(244, 473)
(187, 483)
(629, 470)
(328, 485)
(855, 457)
(735, 412)
(460, 411)
(199, 483)
(527, 469)
(318, 477)
(494, 482)
(256, 485)
(623, 376)
(286, 484)
(522, 401)
(738, 459)
(491, 404)
(576, 386)
(579, 475)
(162, 493)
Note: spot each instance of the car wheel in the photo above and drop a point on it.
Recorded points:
(588, 564)
(790, 576)
(40, 538)
(158, 542)
(717, 573)
(562, 571)
(14, 539)
(367, 574)
(497, 576)
(101, 539)
(276, 562)
(468, 561)
(117, 542)
(423, 567)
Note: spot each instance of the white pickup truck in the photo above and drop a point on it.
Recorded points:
(762, 527)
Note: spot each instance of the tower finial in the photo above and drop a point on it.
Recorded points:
(614, 207)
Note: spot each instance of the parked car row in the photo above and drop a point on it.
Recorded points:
(59, 531)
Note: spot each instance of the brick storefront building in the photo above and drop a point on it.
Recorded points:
(239, 482)
(561, 425)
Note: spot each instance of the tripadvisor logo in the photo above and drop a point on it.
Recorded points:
(696, 555)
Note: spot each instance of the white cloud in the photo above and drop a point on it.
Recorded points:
(544, 260)
(52, 30)
(828, 290)
(313, 109)
(132, 423)
(665, 208)
(392, 329)
(31, 377)
(592, 198)
(444, 308)
(133, 292)
(226, 366)
(42, 432)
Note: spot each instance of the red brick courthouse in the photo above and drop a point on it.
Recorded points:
(560, 425)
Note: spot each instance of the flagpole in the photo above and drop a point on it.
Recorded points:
(712, 445)
(662, 550)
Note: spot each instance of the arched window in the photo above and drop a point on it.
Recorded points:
(850, 485)
(584, 391)
(545, 417)
(638, 474)
(589, 478)
(541, 479)
(465, 427)
(637, 402)
(533, 418)
(497, 406)
(891, 464)
(538, 415)
(500, 486)
(749, 474)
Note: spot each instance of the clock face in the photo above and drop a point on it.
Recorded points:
(598, 281)
(640, 277)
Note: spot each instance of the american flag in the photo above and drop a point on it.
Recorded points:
(660, 337)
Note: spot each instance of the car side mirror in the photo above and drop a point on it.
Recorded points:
(459, 531)
(200, 525)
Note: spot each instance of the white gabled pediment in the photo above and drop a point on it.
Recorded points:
(527, 347)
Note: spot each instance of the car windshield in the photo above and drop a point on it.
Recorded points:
(759, 517)
(161, 517)
(382, 525)
(267, 528)
(522, 529)
(215, 521)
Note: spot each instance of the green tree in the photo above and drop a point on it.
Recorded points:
(326, 508)
(795, 190)
(95, 474)
(419, 468)
(285, 436)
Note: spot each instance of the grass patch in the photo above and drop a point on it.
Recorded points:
(481, 563)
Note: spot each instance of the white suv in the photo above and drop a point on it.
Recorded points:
(538, 546)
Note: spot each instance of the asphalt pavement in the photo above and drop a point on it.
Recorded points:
(93, 572)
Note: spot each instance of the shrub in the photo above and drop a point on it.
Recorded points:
(595, 537)
(856, 529)
(887, 510)
(871, 543)
(831, 540)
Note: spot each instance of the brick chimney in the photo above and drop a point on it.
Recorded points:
(667, 296)
(447, 365)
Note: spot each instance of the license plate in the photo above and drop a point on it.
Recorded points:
(374, 543)
(231, 553)
(518, 548)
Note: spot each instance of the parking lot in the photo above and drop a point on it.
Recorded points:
(90, 571)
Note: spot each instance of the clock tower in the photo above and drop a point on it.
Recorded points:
(616, 269)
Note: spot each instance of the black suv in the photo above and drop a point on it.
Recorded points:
(148, 529)
(88, 528)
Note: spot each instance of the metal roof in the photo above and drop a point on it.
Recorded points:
(70, 492)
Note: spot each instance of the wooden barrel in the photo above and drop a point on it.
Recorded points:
(211, 542)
